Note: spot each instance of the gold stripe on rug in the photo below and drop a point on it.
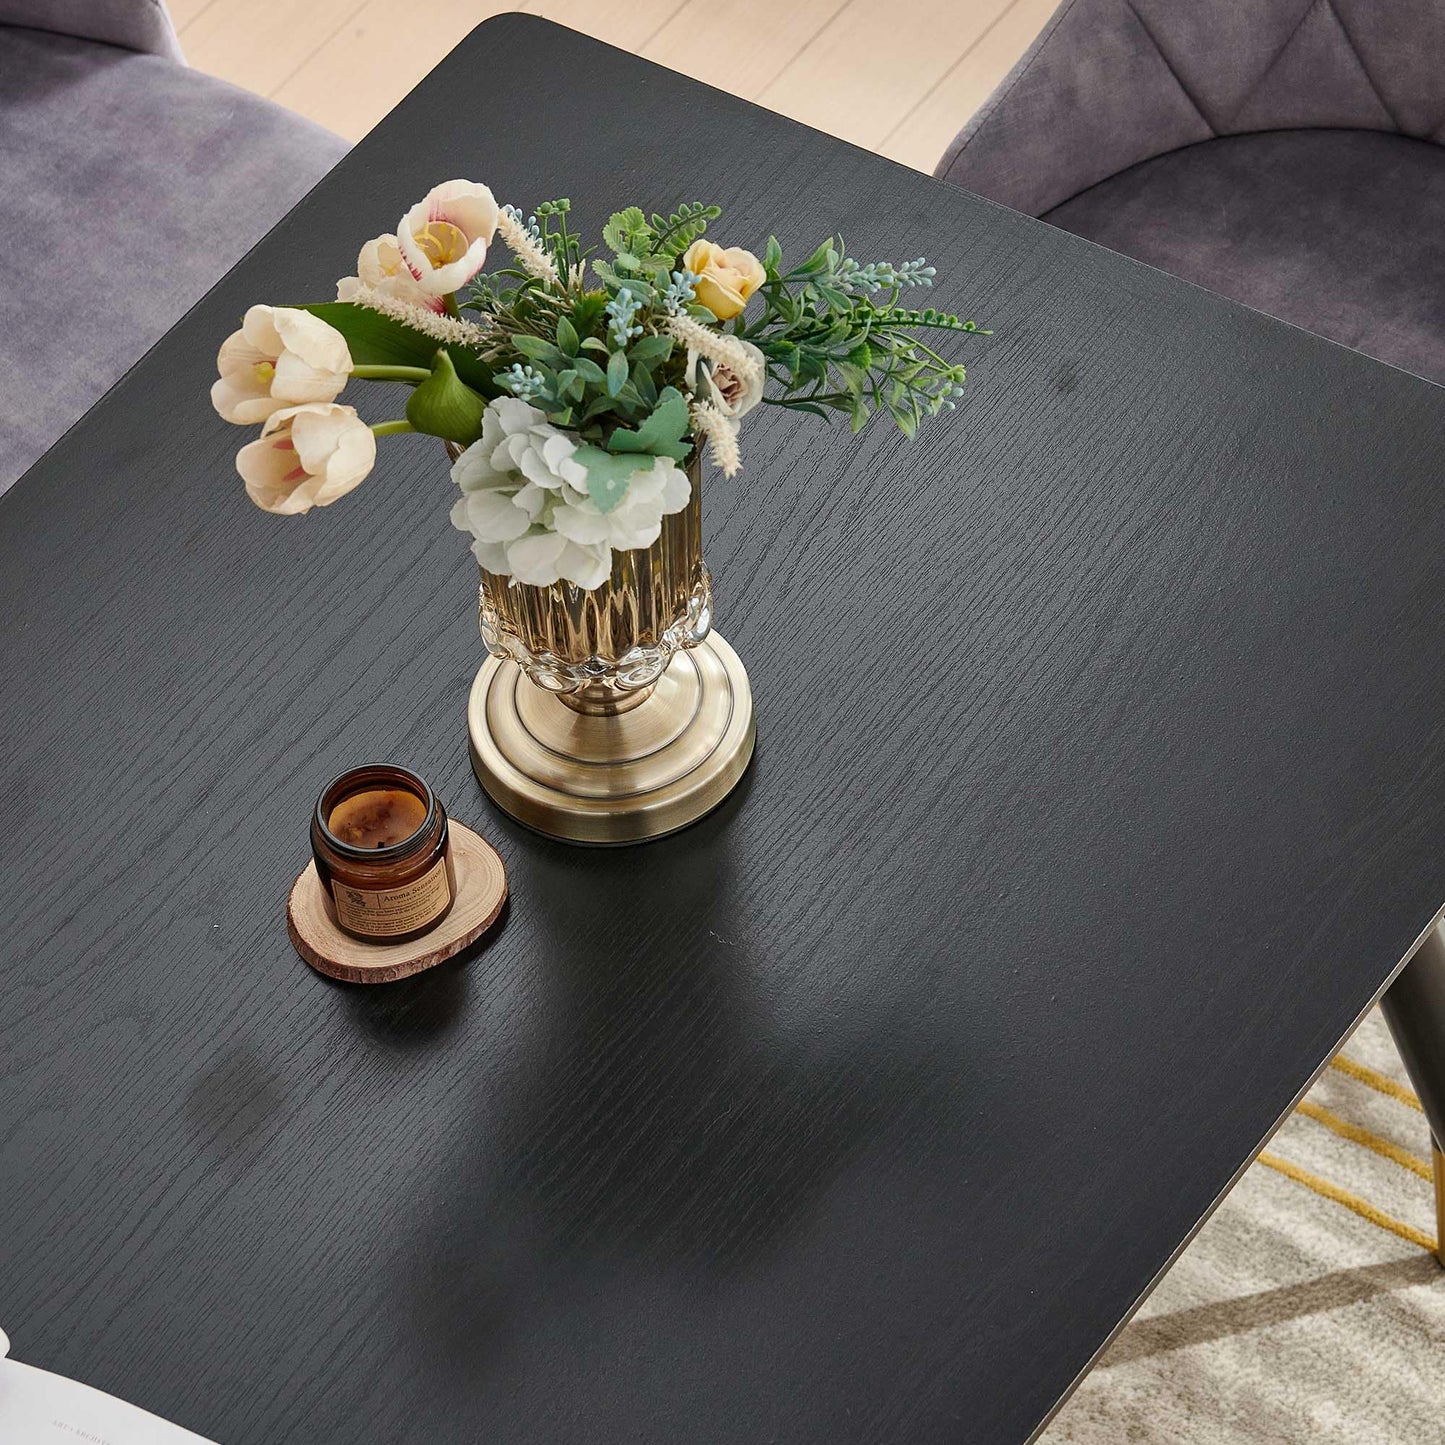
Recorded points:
(1352, 1202)
(1385, 1148)
(1374, 1079)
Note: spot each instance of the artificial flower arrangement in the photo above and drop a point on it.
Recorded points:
(578, 385)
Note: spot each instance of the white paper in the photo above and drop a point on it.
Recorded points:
(38, 1408)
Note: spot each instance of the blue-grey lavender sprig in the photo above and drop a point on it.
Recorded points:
(943, 397)
(879, 274)
(523, 381)
(680, 292)
(622, 308)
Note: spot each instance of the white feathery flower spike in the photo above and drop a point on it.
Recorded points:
(721, 432)
(720, 349)
(440, 327)
(535, 261)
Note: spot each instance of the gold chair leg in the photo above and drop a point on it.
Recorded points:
(1414, 1008)
(1438, 1159)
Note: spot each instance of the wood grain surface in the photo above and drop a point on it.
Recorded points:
(1100, 784)
(481, 893)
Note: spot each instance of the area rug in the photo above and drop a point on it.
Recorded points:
(1308, 1308)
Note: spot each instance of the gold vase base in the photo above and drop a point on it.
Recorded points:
(614, 779)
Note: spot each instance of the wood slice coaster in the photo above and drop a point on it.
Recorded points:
(481, 891)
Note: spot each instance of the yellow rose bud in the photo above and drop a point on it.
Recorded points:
(725, 279)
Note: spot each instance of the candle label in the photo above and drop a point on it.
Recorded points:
(390, 911)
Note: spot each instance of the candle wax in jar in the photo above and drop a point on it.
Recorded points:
(377, 817)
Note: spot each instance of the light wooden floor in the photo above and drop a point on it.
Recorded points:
(897, 76)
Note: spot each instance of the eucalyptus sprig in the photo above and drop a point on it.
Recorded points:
(832, 331)
(835, 337)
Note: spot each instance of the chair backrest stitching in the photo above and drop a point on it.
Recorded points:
(1169, 66)
(1364, 69)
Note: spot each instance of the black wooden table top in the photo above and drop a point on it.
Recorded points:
(1100, 787)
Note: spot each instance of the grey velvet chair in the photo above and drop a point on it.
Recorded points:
(1286, 153)
(128, 185)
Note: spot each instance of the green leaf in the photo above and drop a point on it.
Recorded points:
(445, 406)
(616, 372)
(773, 256)
(820, 260)
(643, 384)
(377, 340)
(661, 432)
(785, 354)
(587, 313)
(651, 350)
(589, 370)
(374, 339)
(607, 475)
(567, 337)
(624, 227)
(534, 348)
(675, 233)
(811, 366)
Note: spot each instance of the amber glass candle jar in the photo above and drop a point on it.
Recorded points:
(384, 853)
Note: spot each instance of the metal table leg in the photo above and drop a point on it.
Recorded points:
(1414, 1008)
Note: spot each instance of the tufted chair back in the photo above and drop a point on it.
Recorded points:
(143, 25)
(1111, 83)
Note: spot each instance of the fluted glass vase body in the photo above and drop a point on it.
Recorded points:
(602, 651)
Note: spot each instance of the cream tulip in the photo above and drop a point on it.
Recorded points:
(307, 456)
(443, 239)
(279, 357)
(380, 268)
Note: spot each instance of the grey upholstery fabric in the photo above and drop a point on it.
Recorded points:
(1342, 231)
(1111, 83)
(143, 25)
(1127, 121)
(128, 185)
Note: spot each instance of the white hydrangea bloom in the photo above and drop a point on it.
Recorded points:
(524, 500)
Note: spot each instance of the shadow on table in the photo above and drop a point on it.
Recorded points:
(663, 1117)
(414, 1012)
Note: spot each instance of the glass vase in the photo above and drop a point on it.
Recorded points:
(602, 651)
(617, 714)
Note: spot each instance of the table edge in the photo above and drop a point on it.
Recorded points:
(1436, 922)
